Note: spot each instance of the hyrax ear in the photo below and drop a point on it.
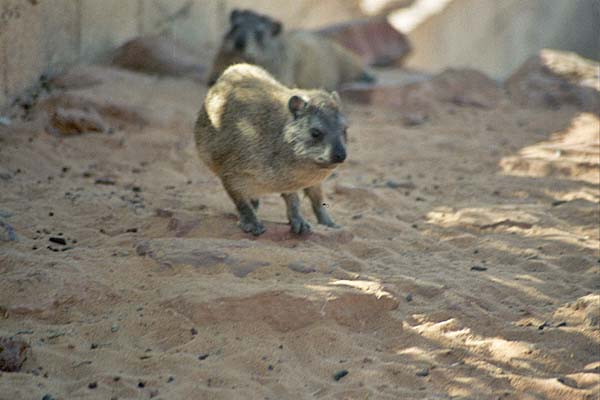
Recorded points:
(276, 28)
(296, 104)
(234, 15)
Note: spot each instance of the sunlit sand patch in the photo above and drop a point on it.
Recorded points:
(573, 153)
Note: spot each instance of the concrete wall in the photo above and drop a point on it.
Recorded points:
(41, 35)
(496, 36)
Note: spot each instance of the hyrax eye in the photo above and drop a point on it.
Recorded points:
(315, 133)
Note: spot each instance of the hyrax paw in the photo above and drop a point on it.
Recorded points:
(300, 226)
(332, 224)
(255, 228)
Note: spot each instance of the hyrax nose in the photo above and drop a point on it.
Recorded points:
(240, 43)
(339, 155)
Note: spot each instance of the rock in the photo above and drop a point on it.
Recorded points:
(13, 354)
(104, 181)
(57, 240)
(416, 96)
(75, 121)
(203, 356)
(301, 267)
(422, 373)
(478, 268)
(93, 385)
(159, 55)
(340, 374)
(553, 78)
(5, 121)
(48, 397)
(400, 185)
(374, 39)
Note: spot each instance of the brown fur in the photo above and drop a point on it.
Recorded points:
(247, 135)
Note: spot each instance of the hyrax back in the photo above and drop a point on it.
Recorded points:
(297, 58)
(261, 137)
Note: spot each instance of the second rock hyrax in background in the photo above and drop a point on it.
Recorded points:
(297, 58)
(261, 137)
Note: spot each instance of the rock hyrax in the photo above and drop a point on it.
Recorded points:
(297, 58)
(261, 137)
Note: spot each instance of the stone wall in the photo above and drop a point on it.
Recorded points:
(496, 36)
(41, 35)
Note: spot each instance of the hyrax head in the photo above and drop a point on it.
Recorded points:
(318, 130)
(250, 33)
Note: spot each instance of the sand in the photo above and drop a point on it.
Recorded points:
(467, 266)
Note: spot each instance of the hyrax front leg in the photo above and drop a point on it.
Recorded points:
(248, 220)
(315, 194)
(292, 202)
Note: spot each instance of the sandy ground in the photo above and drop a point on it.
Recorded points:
(467, 266)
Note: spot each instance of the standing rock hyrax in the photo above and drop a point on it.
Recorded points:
(297, 58)
(261, 137)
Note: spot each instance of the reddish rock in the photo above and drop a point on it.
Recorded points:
(13, 354)
(461, 87)
(159, 55)
(553, 78)
(74, 121)
(374, 39)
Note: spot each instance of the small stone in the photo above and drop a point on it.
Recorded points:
(5, 121)
(270, 367)
(7, 232)
(104, 181)
(545, 324)
(422, 373)
(409, 297)
(57, 240)
(203, 356)
(194, 331)
(93, 346)
(48, 397)
(171, 379)
(478, 268)
(13, 354)
(561, 324)
(340, 374)
(400, 185)
(92, 385)
(114, 328)
(141, 384)
(301, 268)
(153, 393)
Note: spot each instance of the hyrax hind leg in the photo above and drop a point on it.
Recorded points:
(248, 220)
(292, 202)
(315, 194)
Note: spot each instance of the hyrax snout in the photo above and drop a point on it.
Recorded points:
(261, 137)
(296, 58)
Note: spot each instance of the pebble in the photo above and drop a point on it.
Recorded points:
(194, 331)
(409, 297)
(57, 240)
(400, 185)
(340, 374)
(171, 379)
(5, 121)
(561, 324)
(7, 232)
(141, 384)
(104, 181)
(423, 372)
(478, 268)
(114, 328)
(48, 397)
(92, 385)
(203, 356)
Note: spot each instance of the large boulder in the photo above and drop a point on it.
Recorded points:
(553, 78)
(374, 39)
(159, 55)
